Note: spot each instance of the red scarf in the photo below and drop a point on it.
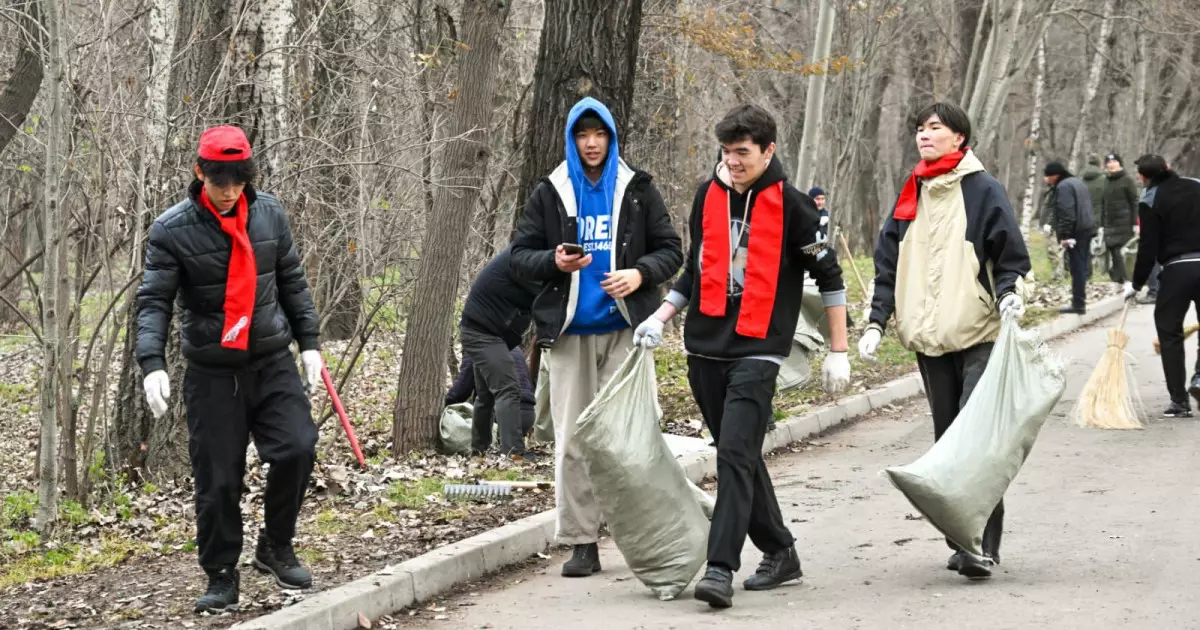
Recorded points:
(906, 206)
(762, 259)
(242, 279)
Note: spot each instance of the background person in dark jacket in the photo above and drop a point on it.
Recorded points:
(595, 201)
(819, 198)
(495, 316)
(1171, 237)
(743, 306)
(227, 252)
(463, 386)
(1117, 215)
(1074, 225)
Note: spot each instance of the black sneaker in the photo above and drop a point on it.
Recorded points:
(1072, 310)
(775, 569)
(222, 593)
(584, 561)
(1194, 388)
(956, 561)
(280, 561)
(716, 587)
(975, 568)
(1177, 410)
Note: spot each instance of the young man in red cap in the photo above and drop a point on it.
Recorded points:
(227, 252)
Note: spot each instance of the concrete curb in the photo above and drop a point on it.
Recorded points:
(424, 577)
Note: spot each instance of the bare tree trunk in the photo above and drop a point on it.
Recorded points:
(1035, 131)
(422, 367)
(56, 274)
(257, 100)
(1093, 84)
(814, 106)
(981, 17)
(997, 86)
(601, 64)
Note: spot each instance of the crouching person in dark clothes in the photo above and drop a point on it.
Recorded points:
(753, 238)
(949, 264)
(1170, 236)
(496, 314)
(227, 252)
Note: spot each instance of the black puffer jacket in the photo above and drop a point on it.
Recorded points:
(1118, 211)
(188, 255)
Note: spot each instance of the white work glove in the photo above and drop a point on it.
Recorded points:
(1069, 243)
(824, 221)
(1046, 229)
(158, 390)
(1012, 306)
(311, 360)
(869, 344)
(835, 372)
(1130, 292)
(649, 333)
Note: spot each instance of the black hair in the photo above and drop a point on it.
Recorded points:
(951, 115)
(226, 173)
(1151, 166)
(747, 121)
(589, 120)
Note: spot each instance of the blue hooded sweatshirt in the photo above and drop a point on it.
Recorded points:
(596, 313)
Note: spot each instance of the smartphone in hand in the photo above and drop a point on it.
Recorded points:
(572, 249)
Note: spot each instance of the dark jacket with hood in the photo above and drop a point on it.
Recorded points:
(187, 255)
(498, 303)
(1071, 206)
(1118, 210)
(1170, 220)
(1094, 178)
(804, 250)
(644, 238)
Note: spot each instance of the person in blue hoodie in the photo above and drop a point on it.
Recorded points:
(598, 236)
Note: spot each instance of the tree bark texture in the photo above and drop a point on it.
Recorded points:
(1032, 146)
(1093, 84)
(423, 367)
(814, 107)
(25, 80)
(588, 48)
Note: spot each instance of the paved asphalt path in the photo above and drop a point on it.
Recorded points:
(1102, 531)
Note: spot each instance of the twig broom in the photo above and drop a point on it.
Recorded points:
(1107, 400)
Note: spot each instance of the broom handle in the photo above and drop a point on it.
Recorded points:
(850, 258)
(1124, 314)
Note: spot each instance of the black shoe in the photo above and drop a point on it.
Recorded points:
(584, 561)
(1149, 298)
(716, 587)
(1194, 388)
(775, 569)
(956, 561)
(1178, 410)
(280, 561)
(975, 568)
(1071, 310)
(222, 593)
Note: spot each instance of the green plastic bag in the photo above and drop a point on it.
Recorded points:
(455, 428)
(657, 517)
(958, 482)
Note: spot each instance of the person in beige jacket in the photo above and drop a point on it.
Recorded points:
(950, 262)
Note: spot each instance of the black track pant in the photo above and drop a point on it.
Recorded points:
(1079, 260)
(735, 399)
(223, 409)
(949, 381)
(497, 392)
(1179, 289)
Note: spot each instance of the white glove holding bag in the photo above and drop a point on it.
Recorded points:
(835, 373)
(869, 344)
(311, 360)
(1012, 306)
(158, 390)
(649, 333)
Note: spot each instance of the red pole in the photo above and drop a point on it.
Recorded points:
(341, 412)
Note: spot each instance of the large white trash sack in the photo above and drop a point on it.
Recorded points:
(958, 482)
(656, 516)
(455, 429)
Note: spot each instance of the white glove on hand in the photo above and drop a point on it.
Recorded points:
(835, 372)
(1130, 292)
(1046, 229)
(824, 221)
(869, 344)
(311, 360)
(1012, 306)
(649, 333)
(158, 390)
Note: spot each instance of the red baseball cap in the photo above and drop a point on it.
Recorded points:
(224, 144)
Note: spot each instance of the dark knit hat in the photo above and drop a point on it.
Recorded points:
(1056, 168)
(815, 192)
(1113, 157)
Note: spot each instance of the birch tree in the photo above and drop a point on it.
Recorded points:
(814, 105)
(1031, 144)
(55, 290)
(1093, 83)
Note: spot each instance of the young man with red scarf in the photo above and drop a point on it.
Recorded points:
(753, 238)
(950, 262)
(227, 252)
